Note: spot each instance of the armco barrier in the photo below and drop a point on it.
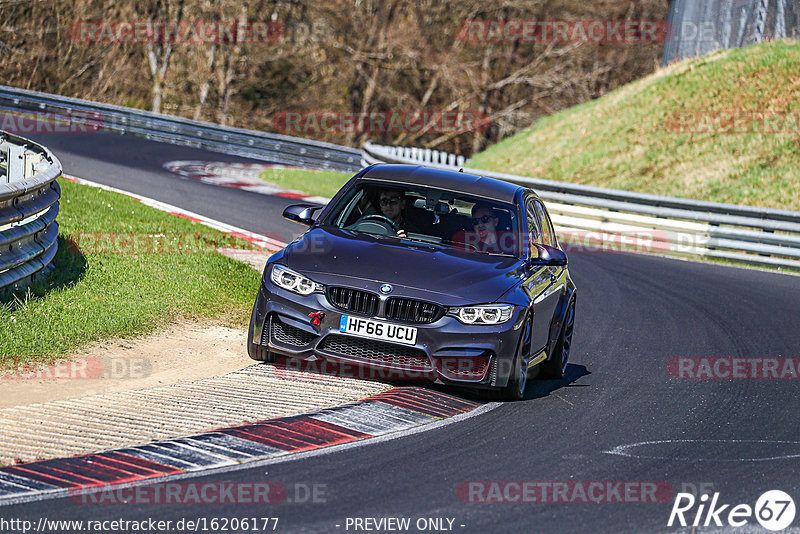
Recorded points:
(683, 227)
(29, 196)
(165, 128)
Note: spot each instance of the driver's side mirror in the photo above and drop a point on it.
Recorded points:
(301, 213)
(549, 256)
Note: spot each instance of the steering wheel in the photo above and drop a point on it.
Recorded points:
(385, 223)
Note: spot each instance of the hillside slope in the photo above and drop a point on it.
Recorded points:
(724, 127)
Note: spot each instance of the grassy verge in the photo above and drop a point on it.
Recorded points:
(667, 134)
(123, 269)
(312, 182)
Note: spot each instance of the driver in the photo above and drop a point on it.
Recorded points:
(392, 204)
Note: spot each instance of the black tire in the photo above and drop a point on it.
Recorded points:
(254, 350)
(518, 381)
(556, 365)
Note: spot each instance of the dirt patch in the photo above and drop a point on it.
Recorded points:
(257, 259)
(181, 352)
(188, 377)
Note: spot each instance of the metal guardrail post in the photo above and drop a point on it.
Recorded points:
(30, 161)
(4, 177)
(15, 169)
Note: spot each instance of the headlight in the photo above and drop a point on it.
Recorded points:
(292, 281)
(489, 314)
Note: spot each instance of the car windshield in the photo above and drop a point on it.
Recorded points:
(434, 216)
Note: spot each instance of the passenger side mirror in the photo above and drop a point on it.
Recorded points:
(301, 213)
(549, 255)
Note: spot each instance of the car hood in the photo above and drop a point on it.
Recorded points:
(334, 256)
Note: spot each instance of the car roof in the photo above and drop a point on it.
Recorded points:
(471, 184)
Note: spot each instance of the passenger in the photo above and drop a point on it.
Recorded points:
(484, 223)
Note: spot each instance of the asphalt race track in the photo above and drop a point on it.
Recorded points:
(635, 313)
(136, 165)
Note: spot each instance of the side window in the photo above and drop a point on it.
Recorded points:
(534, 230)
(351, 210)
(547, 228)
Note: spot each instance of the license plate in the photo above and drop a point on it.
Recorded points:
(360, 327)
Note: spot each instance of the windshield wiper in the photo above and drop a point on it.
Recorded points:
(496, 254)
(417, 240)
(505, 255)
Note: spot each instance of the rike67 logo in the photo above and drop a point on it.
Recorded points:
(774, 510)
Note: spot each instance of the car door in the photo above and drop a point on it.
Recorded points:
(558, 273)
(541, 281)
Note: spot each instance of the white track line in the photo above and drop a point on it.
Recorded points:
(257, 239)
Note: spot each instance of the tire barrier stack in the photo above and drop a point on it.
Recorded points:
(29, 196)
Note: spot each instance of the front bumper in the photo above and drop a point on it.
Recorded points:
(446, 351)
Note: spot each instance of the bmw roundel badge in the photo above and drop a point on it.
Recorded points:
(386, 289)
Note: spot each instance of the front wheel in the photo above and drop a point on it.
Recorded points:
(556, 366)
(254, 350)
(518, 381)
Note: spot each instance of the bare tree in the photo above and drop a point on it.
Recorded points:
(357, 56)
(159, 49)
